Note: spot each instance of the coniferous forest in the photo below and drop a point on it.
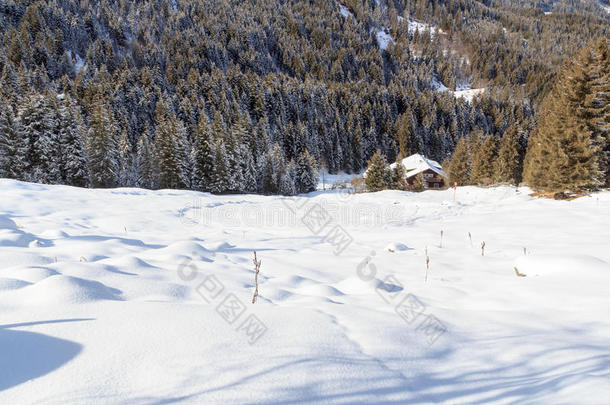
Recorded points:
(255, 96)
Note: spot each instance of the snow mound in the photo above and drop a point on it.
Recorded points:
(60, 289)
(24, 259)
(7, 284)
(548, 265)
(396, 247)
(15, 238)
(320, 290)
(29, 274)
(180, 250)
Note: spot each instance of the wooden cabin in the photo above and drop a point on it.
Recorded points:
(433, 175)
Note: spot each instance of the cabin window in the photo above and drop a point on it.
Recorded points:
(435, 185)
(428, 175)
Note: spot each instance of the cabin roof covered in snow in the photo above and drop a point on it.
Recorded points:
(417, 163)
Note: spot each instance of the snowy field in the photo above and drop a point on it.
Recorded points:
(144, 297)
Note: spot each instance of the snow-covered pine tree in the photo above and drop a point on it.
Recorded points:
(74, 168)
(148, 176)
(12, 147)
(102, 147)
(306, 173)
(248, 169)
(184, 158)
(128, 171)
(220, 178)
(165, 146)
(204, 156)
(272, 172)
(38, 127)
(287, 186)
(234, 155)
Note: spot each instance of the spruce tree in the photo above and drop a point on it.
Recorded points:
(220, 177)
(418, 183)
(73, 159)
(398, 177)
(38, 127)
(376, 173)
(165, 145)
(12, 147)
(596, 109)
(566, 150)
(204, 156)
(483, 161)
(287, 180)
(248, 169)
(102, 148)
(460, 166)
(148, 176)
(508, 163)
(306, 178)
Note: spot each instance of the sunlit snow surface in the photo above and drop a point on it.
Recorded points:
(120, 296)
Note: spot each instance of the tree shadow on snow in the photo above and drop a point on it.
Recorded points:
(526, 379)
(27, 355)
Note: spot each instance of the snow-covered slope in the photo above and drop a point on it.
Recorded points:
(135, 296)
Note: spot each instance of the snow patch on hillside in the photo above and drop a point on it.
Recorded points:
(463, 91)
(345, 11)
(384, 38)
(604, 6)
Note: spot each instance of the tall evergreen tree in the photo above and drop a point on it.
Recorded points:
(508, 164)
(102, 147)
(204, 156)
(287, 180)
(148, 175)
(376, 173)
(566, 151)
(483, 162)
(38, 127)
(460, 165)
(13, 149)
(306, 179)
(73, 159)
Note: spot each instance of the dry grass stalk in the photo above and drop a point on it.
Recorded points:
(441, 238)
(483, 248)
(257, 267)
(519, 274)
(470, 237)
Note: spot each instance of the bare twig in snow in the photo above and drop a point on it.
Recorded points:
(470, 237)
(441, 238)
(257, 267)
(483, 248)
